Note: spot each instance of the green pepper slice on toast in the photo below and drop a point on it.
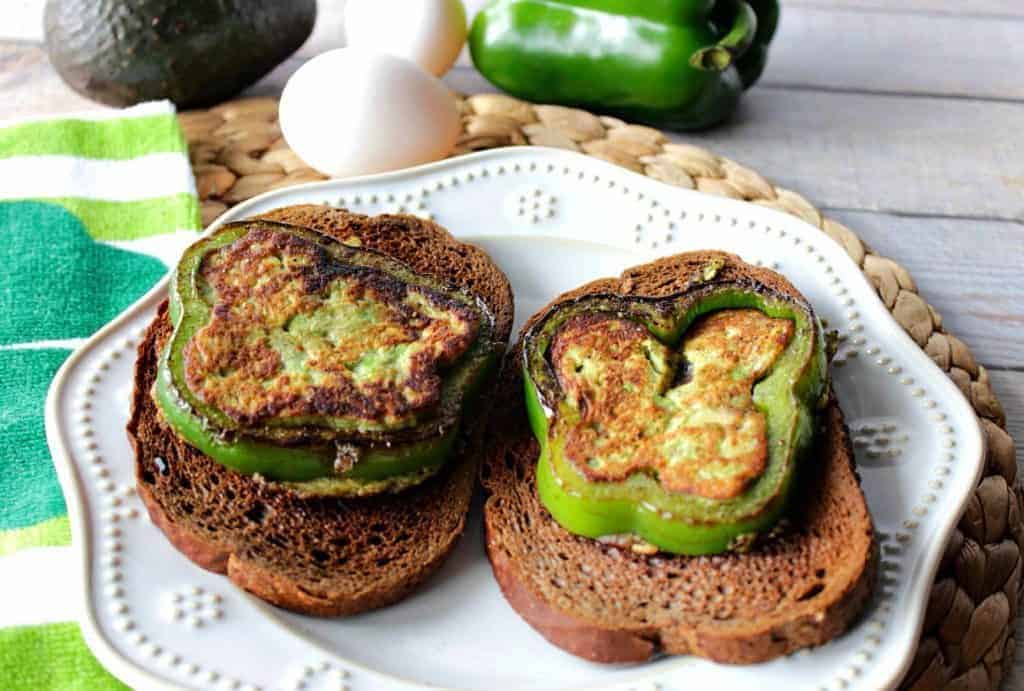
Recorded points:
(334, 369)
(648, 429)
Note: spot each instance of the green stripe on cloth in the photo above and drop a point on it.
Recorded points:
(73, 258)
(53, 656)
(28, 482)
(52, 533)
(106, 220)
(117, 139)
(58, 283)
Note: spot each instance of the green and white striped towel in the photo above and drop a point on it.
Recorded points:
(93, 209)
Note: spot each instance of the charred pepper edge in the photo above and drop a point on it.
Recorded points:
(184, 290)
(383, 458)
(743, 289)
(616, 513)
(663, 308)
(295, 464)
(692, 508)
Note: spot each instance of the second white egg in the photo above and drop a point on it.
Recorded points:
(354, 111)
(428, 32)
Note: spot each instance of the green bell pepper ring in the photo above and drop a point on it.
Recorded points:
(296, 463)
(682, 523)
(320, 460)
(674, 63)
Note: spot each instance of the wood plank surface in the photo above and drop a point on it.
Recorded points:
(29, 87)
(834, 48)
(883, 153)
(970, 271)
(872, 152)
(974, 8)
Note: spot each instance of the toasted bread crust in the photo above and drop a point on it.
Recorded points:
(607, 604)
(755, 642)
(210, 556)
(274, 587)
(569, 633)
(320, 556)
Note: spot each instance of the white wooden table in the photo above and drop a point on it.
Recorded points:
(903, 119)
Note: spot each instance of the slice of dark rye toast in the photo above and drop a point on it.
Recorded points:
(608, 603)
(322, 556)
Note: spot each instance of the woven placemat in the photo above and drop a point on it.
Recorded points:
(968, 641)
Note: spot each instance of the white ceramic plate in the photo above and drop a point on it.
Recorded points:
(551, 220)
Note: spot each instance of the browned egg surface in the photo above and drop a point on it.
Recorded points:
(688, 417)
(296, 336)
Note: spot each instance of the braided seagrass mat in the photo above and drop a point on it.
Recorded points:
(968, 641)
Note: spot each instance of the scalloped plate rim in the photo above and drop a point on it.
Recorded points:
(132, 673)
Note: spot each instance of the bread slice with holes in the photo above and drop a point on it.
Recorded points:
(316, 555)
(609, 603)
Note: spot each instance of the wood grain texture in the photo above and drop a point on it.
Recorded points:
(30, 87)
(866, 47)
(849, 49)
(970, 271)
(883, 153)
(872, 152)
(1008, 8)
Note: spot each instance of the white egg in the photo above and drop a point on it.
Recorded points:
(353, 111)
(431, 33)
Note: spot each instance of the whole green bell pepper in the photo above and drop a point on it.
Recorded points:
(752, 63)
(679, 522)
(680, 64)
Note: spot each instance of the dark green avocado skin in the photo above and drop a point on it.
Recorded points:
(194, 52)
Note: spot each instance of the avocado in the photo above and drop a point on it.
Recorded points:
(194, 52)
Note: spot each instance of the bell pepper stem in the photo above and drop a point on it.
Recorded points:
(720, 56)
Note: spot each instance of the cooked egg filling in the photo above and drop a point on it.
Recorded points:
(295, 336)
(687, 416)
